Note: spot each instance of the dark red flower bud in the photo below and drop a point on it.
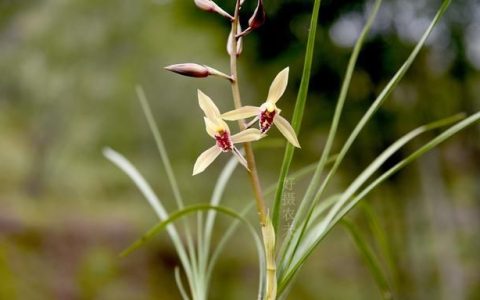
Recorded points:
(210, 6)
(196, 70)
(258, 17)
(189, 69)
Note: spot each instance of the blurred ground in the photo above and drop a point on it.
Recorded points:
(67, 75)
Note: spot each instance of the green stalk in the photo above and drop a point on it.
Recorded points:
(267, 230)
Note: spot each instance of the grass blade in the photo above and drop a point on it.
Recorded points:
(371, 260)
(217, 194)
(297, 113)
(382, 97)
(308, 202)
(221, 245)
(181, 288)
(160, 145)
(194, 209)
(317, 232)
(121, 162)
(314, 183)
(375, 105)
(287, 251)
(178, 215)
(427, 147)
(379, 234)
(171, 179)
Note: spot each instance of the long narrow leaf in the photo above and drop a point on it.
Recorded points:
(223, 242)
(216, 198)
(381, 98)
(411, 158)
(374, 107)
(193, 209)
(308, 243)
(181, 288)
(371, 260)
(160, 145)
(121, 162)
(308, 202)
(297, 113)
(170, 174)
(379, 234)
(182, 213)
(314, 183)
(319, 210)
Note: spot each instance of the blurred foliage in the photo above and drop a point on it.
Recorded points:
(68, 71)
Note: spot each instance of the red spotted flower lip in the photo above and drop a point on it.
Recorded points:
(224, 141)
(266, 120)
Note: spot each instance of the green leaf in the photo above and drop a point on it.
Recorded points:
(381, 98)
(181, 288)
(121, 162)
(379, 235)
(308, 202)
(371, 260)
(194, 209)
(217, 194)
(160, 145)
(169, 170)
(373, 108)
(297, 113)
(171, 178)
(182, 213)
(427, 147)
(287, 250)
(318, 231)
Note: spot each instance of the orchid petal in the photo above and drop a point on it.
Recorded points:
(247, 135)
(210, 127)
(205, 159)
(286, 129)
(241, 113)
(215, 126)
(278, 86)
(240, 158)
(208, 106)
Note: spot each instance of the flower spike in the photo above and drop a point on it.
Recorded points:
(268, 113)
(219, 130)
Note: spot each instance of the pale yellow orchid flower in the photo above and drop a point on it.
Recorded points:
(268, 113)
(218, 129)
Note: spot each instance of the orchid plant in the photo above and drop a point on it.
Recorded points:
(279, 260)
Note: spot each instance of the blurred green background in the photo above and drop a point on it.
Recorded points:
(68, 71)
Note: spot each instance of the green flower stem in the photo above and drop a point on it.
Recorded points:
(265, 223)
(250, 157)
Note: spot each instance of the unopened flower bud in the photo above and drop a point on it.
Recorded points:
(256, 20)
(196, 70)
(258, 17)
(210, 6)
(189, 69)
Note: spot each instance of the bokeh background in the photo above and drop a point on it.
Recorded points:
(68, 71)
